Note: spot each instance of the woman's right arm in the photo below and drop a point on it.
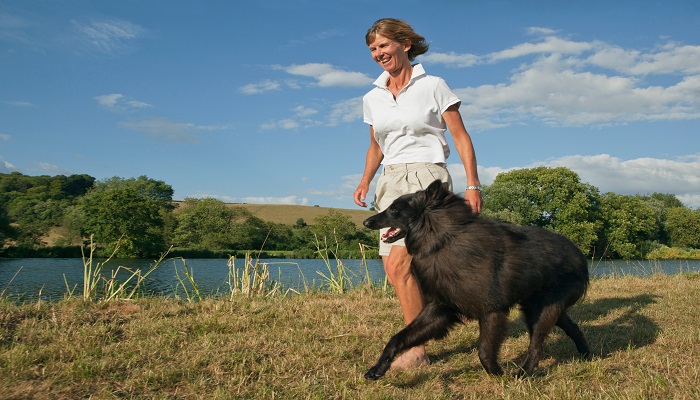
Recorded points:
(372, 161)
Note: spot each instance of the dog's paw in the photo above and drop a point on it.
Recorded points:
(374, 373)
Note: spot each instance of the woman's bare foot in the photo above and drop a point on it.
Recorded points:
(411, 358)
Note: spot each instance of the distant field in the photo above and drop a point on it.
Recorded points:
(281, 214)
(289, 214)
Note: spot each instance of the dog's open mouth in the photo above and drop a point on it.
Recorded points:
(392, 235)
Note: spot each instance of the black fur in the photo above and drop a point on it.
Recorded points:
(479, 268)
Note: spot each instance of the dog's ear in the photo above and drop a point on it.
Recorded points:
(435, 189)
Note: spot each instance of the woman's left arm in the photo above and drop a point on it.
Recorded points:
(465, 148)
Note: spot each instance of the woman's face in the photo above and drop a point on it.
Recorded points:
(390, 55)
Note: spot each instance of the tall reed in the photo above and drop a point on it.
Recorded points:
(339, 278)
(251, 280)
(112, 288)
(193, 293)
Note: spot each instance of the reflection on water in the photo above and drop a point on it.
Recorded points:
(28, 278)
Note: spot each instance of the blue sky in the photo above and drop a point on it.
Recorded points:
(260, 102)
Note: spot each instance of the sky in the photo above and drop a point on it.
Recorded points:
(261, 101)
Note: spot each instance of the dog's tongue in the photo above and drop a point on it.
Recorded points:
(391, 232)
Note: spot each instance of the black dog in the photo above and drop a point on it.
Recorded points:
(474, 267)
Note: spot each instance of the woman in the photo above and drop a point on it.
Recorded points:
(408, 112)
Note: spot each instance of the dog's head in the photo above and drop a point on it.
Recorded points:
(406, 210)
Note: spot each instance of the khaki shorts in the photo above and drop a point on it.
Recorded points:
(399, 179)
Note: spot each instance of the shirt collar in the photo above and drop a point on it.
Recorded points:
(417, 72)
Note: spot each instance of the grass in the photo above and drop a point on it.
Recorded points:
(645, 333)
(289, 214)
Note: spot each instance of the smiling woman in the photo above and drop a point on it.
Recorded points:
(408, 113)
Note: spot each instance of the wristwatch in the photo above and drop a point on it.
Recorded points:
(477, 187)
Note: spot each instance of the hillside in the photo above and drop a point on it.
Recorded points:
(289, 214)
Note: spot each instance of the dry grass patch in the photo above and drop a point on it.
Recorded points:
(645, 334)
(289, 214)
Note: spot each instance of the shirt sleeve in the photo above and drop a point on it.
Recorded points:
(444, 95)
(366, 111)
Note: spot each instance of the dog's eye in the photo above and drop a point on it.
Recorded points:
(393, 212)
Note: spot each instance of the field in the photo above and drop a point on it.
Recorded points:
(644, 332)
(289, 214)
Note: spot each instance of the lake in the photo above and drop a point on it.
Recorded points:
(26, 279)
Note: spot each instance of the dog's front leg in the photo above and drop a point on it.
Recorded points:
(433, 322)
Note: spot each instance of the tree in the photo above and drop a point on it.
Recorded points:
(34, 204)
(156, 190)
(204, 224)
(250, 232)
(5, 228)
(300, 224)
(334, 227)
(553, 198)
(130, 210)
(659, 204)
(684, 227)
(629, 224)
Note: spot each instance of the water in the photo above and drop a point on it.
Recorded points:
(27, 279)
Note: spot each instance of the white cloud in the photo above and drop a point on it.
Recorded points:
(300, 201)
(291, 200)
(18, 103)
(260, 87)
(611, 174)
(5, 137)
(286, 124)
(536, 30)
(551, 91)
(550, 45)
(303, 111)
(54, 169)
(108, 37)
(299, 119)
(6, 167)
(109, 100)
(561, 82)
(327, 75)
(345, 111)
(637, 176)
(164, 128)
(119, 102)
(451, 59)
(672, 58)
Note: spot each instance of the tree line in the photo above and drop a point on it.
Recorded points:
(136, 217)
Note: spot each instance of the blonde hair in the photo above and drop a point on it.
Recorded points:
(400, 32)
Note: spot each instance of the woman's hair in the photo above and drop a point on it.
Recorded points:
(400, 32)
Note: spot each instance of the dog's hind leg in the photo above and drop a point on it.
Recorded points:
(492, 332)
(572, 330)
(540, 322)
(433, 322)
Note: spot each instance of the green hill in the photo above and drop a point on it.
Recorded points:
(289, 214)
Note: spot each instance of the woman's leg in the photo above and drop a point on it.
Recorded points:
(397, 266)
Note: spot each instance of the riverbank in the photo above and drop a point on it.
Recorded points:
(644, 332)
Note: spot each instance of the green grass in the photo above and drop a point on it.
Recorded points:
(645, 333)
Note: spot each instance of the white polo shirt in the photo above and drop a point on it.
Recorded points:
(410, 129)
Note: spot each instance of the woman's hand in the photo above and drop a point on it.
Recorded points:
(361, 195)
(473, 198)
